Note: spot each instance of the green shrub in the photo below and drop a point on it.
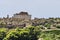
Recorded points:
(58, 26)
(3, 32)
(28, 33)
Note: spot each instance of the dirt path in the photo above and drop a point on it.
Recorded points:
(50, 29)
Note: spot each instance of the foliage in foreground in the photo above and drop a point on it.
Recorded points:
(51, 35)
(28, 33)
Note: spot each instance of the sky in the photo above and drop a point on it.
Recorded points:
(37, 8)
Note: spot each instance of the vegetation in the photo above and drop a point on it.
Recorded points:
(47, 29)
(28, 33)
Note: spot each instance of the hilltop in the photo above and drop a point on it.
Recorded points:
(23, 19)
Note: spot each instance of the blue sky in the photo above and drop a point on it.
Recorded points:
(37, 8)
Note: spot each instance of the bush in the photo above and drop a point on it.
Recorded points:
(3, 32)
(48, 26)
(28, 33)
(58, 26)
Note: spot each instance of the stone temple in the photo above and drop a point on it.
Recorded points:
(22, 15)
